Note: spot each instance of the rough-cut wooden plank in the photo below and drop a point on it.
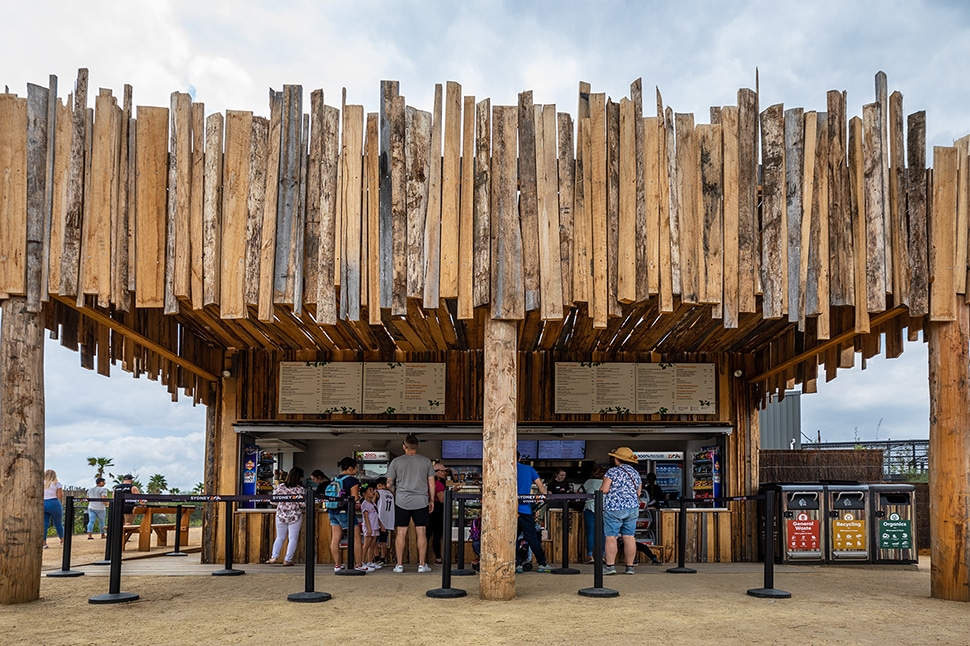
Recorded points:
(651, 189)
(808, 244)
(255, 206)
(311, 226)
(963, 214)
(749, 242)
(636, 95)
(122, 229)
(612, 206)
(581, 255)
(666, 245)
(841, 254)
(326, 292)
(389, 90)
(399, 216)
(942, 231)
(70, 259)
(794, 175)
(62, 161)
(483, 187)
(95, 253)
(372, 183)
(875, 207)
(729, 183)
(547, 202)
(817, 301)
(673, 202)
(916, 205)
(431, 225)
(688, 208)
(212, 210)
(567, 183)
(466, 215)
(197, 174)
(628, 241)
(598, 207)
(35, 211)
(528, 207)
(450, 193)
(508, 296)
(417, 133)
(151, 164)
(272, 206)
(180, 195)
(51, 171)
(352, 184)
(86, 209)
(288, 274)
(858, 216)
(882, 101)
(711, 265)
(897, 201)
(774, 276)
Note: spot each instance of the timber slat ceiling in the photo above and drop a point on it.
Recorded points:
(181, 237)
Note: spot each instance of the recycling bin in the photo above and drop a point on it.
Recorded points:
(893, 523)
(848, 514)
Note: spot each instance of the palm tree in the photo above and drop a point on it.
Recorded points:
(101, 464)
(174, 490)
(157, 484)
(199, 488)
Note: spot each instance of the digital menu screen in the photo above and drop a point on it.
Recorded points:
(562, 449)
(461, 449)
(528, 449)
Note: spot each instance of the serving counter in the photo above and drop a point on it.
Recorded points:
(708, 534)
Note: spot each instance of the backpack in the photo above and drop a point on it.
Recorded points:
(334, 490)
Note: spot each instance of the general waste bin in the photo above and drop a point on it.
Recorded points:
(893, 523)
(848, 512)
(801, 523)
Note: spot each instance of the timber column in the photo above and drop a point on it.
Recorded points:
(949, 455)
(21, 451)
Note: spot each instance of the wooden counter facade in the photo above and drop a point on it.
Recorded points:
(708, 535)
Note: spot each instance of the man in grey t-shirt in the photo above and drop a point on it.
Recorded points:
(411, 478)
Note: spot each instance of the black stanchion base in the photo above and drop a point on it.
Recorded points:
(599, 592)
(681, 570)
(308, 597)
(175, 554)
(769, 593)
(463, 572)
(349, 572)
(117, 597)
(104, 562)
(230, 572)
(565, 570)
(446, 593)
(67, 573)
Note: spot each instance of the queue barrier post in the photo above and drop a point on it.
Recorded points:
(769, 591)
(598, 590)
(309, 595)
(446, 591)
(228, 570)
(565, 569)
(178, 534)
(461, 570)
(682, 542)
(115, 535)
(68, 542)
(351, 539)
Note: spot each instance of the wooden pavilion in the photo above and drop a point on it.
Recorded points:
(204, 250)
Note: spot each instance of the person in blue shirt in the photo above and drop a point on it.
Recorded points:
(526, 476)
(621, 507)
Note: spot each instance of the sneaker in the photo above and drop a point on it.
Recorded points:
(609, 569)
(379, 561)
(362, 568)
(399, 568)
(629, 569)
(337, 568)
(518, 569)
(544, 568)
(374, 565)
(424, 568)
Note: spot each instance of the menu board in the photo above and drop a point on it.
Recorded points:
(562, 449)
(404, 388)
(642, 388)
(461, 449)
(319, 387)
(528, 449)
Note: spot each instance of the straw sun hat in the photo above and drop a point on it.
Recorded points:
(625, 454)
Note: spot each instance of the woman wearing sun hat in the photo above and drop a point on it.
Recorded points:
(621, 507)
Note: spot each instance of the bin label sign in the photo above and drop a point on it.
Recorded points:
(849, 534)
(803, 533)
(895, 534)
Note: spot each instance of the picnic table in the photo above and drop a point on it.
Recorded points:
(161, 530)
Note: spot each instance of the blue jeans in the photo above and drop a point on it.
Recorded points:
(52, 516)
(620, 522)
(589, 522)
(527, 525)
(96, 514)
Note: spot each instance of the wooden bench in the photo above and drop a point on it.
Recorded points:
(161, 530)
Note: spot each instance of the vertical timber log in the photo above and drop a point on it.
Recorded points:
(949, 456)
(22, 457)
(497, 581)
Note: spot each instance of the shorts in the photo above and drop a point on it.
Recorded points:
(339, 518)
(382, 536)
(620, 522)
(402, 517)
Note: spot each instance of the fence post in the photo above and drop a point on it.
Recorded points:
(309, 595)
(115, 536)
(769, 591)
(68, 541)
(565, 569)
(351, 570)
(228, 570)
(461, 570)
(598, 590)
(682, 542)
(178, 534)
(446, 591)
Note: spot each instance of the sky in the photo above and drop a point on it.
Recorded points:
(228, 53)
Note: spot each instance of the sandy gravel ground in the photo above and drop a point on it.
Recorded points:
(829, 605)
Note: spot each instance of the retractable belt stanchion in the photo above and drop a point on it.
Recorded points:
(598, 590)
(228, 570)
(461, 570)
(351, 539)
(178, 534)
(565, 569)
(682, 542)
(115, 534)
(446, 591)
(309, 595)
(769, 591)
(68, 541)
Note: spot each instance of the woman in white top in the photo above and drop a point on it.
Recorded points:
(53, 497)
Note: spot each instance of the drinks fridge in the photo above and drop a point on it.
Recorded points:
(706, 475)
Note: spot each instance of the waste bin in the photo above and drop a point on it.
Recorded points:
(893, 523)
(848, 511)
(798, 522)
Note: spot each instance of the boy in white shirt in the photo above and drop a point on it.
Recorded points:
(385, 515)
